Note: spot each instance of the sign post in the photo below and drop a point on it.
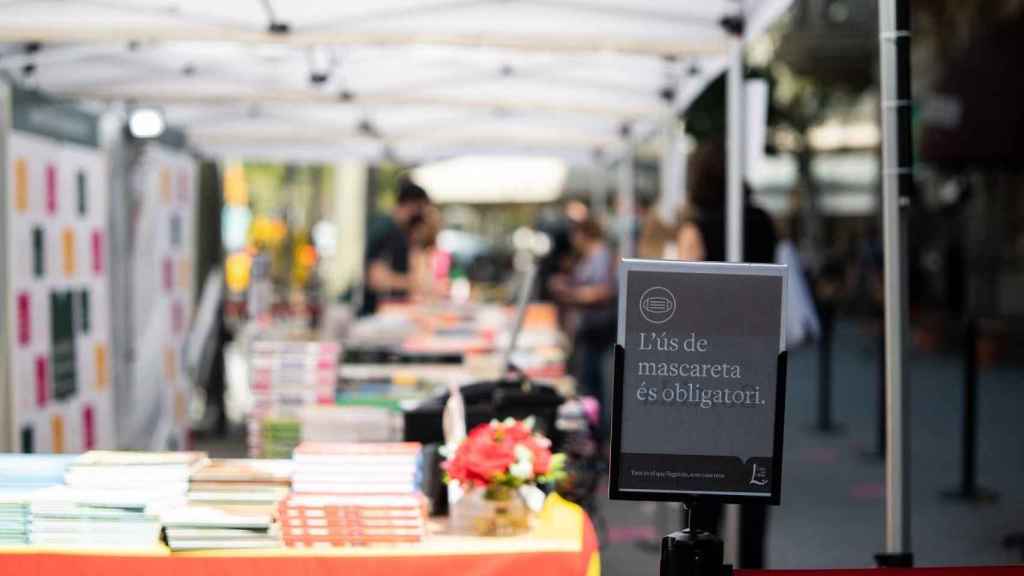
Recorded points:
(699, 395)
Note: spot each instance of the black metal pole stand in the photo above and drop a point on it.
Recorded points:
(877, 452)
(693, 552)
(825, 423)
(969, 489)
(880, 437)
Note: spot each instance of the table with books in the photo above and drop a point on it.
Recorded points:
(301, 388)
(332, 508)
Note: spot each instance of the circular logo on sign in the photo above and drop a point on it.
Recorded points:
(657, 305)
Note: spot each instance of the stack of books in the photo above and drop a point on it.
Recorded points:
(197, 527)
(370, 421)
(15, 518)
(241, 485)
(327, 520)
(273, 436)
(231, 504)
(64, 516)
(161, 474)
(22, 475)
(112, 499)
(286, 377)
(341, 468)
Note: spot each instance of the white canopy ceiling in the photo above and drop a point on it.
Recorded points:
(415, 79)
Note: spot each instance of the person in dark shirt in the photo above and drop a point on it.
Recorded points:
(701, 237)
(387, 251)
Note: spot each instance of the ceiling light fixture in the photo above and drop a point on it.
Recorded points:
(146, 123)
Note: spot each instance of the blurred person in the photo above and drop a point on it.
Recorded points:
(589, 293)
(701, 237)
(312, 291)
(556, 226)
(576, 211)
(387, 250)
(652, 233)
(429, 265)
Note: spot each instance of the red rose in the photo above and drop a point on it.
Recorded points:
(488, 459)
(540, 447)
(518, 432)
(489, 450)
(541, 462)
(481, 431)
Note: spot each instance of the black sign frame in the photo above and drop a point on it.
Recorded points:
(617, 492)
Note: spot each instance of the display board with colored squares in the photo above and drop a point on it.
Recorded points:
(58, 299)
(164, 287)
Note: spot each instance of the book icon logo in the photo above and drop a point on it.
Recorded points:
(657, 305)
(759, 475)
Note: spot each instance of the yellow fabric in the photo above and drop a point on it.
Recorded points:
(594, 566)
(559, 519)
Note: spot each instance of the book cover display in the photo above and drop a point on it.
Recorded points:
(163, 247)
(57, 280)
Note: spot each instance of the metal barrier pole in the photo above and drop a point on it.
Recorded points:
(879, 450)
(968, 480)
(969, 489)
(825, 423)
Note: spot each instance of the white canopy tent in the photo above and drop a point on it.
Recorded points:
(411, 79)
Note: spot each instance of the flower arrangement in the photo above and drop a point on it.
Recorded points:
(502, 457)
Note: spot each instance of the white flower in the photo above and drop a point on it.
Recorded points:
(449, 450)
(523, 453)
(522, 469)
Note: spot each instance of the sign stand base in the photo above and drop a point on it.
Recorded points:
(897, 560)
(693, 552)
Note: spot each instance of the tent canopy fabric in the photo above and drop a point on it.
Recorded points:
(410, 79)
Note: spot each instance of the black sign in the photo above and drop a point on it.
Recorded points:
(700, 373)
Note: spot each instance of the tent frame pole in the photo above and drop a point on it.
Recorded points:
(897, 182)
(735, 144)
(626, 201)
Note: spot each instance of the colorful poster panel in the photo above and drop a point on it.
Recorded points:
(58, 295)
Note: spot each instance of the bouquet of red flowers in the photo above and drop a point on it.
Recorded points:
(503, 455)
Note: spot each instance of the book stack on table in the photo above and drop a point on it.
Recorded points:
(22, 475)
(112, 499)
(352, 494)
(92, 518)
(370, 422)
(286, 377)
(325, 520)
(156, 472)
(196, 527)
(342, 468)
(241, 484)
(231, 504)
